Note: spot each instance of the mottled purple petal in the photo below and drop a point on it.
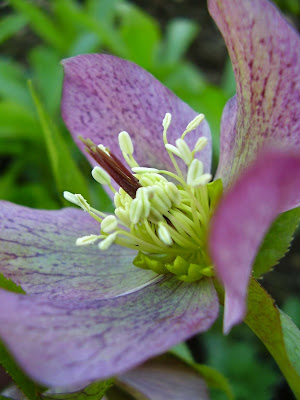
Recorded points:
(38, 251)
(265, 52)
(166, 378)
(104, 95)
(266, 188)
(80, 321)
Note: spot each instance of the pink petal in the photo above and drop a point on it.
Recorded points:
(265, 53)
(166, 378)
(266, 188)
(87, 315)
(104, 95)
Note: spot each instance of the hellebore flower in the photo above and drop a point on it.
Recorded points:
(90, 314)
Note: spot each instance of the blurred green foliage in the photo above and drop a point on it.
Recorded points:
(35, 166)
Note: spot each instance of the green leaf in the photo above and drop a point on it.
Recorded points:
(17, 122)
(141, 34)
(40, 23)
(48, 74)
(276, 331)
(12, 84)
(291, 337)
(103, 10)
(179, 35)
(228, 79)
(5, 398)
(182, 351)
(94, 391)
(213, 378)
(276, 242)
(107, 34)
(9, 285)
(66, 173)
(28, 387)
(10, 25)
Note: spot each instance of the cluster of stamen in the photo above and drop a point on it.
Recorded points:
(165, 222)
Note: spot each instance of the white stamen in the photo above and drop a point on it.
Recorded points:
(70, 197)
(109, 224)
(203, 180)
(172, 149)
(125, 143)
(194, 123)
(195, 171)
(117, 200)
(122, 214)
(164, 234)
(160, 192)
(106, 243)
(101, 176)
(136, 210)
(144, 170)
(167, 121)
(81, 202)
(86, 240)
(173, 193)
(201, 143)
(185, 152)
(142, 194)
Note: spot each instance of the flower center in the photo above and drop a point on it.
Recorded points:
(165, 222)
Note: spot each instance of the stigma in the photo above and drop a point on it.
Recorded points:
(161, 214)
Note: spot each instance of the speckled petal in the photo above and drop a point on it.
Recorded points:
(104, 95)
(166, 378)
(265, 53)
(266, 188)
(76, 324)
(38, 251)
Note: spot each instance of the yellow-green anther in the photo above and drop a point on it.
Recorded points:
(109, 224)
(172, 149)
(164, 234)
(125, 143)
(81, 202)
(173, 193)
(117, 200)
(160, 192)
(122, 215)
(155, 216)
(194, 123)
(136, 211)
(106, 243)
(144, 170)
(70, 197)
(184, 150)
(158, 204)
(86, 240)
(147, 180)
(101, 176)
(200, 144)
(142, 195)
(195, 171)
(167, 121)
(202, 180)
